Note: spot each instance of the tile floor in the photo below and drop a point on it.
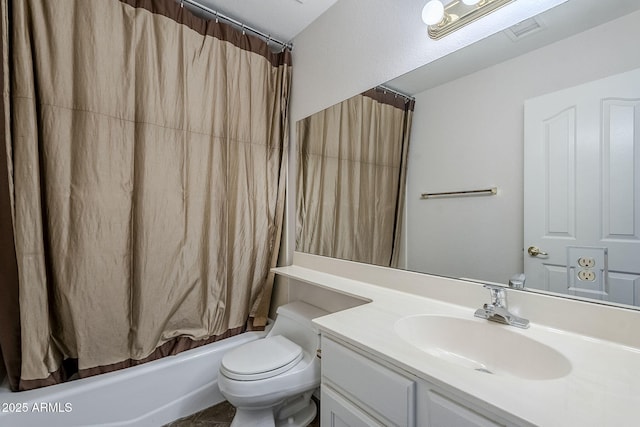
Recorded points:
(218, 416)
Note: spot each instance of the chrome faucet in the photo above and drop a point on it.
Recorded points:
(497, 310)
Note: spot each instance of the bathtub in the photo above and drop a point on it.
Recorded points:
(151, 395)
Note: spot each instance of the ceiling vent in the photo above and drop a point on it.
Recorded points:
(524, 29)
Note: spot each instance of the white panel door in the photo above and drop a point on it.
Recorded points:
(582, 190)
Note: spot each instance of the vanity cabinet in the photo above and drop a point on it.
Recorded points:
(360, 390)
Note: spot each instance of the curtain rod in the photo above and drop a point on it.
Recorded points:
(239, 24)
(395, 92)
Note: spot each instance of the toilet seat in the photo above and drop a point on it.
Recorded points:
(260, 359)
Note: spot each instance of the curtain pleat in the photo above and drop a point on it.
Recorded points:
(149, 148)
(9, 286)
(402, 186)
(352, 160)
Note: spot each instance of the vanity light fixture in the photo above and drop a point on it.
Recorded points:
(443, 20)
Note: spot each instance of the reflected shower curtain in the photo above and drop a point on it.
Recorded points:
(142, 184)
(352, 164)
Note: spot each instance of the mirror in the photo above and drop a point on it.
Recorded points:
(468, 133)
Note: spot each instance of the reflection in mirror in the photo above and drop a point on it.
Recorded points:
(581, 189)
(501, 114)
(351, 183)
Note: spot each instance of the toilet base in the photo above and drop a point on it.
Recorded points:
(257, 418)
(301, 418)
(297, 412)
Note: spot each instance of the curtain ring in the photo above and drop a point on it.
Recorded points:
(217, 21)
(243, 32)
(181, 3)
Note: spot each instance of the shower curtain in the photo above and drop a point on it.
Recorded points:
(142, 184)
(352, 166)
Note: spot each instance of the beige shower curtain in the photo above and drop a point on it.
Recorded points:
(352, 164)
(145, 163)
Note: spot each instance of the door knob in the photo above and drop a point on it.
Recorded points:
(535, 251)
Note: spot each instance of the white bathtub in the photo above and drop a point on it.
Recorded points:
(151, 395)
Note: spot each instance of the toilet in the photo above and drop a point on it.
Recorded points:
(270, 381)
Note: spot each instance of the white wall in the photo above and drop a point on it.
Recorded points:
(468, 134)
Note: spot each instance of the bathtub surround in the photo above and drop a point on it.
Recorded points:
(146, 154)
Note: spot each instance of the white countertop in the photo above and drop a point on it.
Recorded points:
(602, 389)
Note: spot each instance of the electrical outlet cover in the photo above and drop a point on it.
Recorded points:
(587, 271)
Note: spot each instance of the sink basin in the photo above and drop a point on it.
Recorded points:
(483, 346)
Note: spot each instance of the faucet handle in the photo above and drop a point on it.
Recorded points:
(498, 295)
(497, 311)
(517, 281)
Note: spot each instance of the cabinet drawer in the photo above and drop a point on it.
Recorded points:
(382, 390)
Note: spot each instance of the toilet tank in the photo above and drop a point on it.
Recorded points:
(294, 322)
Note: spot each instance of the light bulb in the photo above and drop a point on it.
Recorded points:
(470, 2)
(433, 12)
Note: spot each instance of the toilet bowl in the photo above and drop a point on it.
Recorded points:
(270, 381)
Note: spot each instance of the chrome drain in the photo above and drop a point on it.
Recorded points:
(485, 370)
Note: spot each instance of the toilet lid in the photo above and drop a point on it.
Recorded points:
(260, 359)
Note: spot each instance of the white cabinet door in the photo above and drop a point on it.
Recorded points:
(382, 392)
(337, 411)
(582, 190)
